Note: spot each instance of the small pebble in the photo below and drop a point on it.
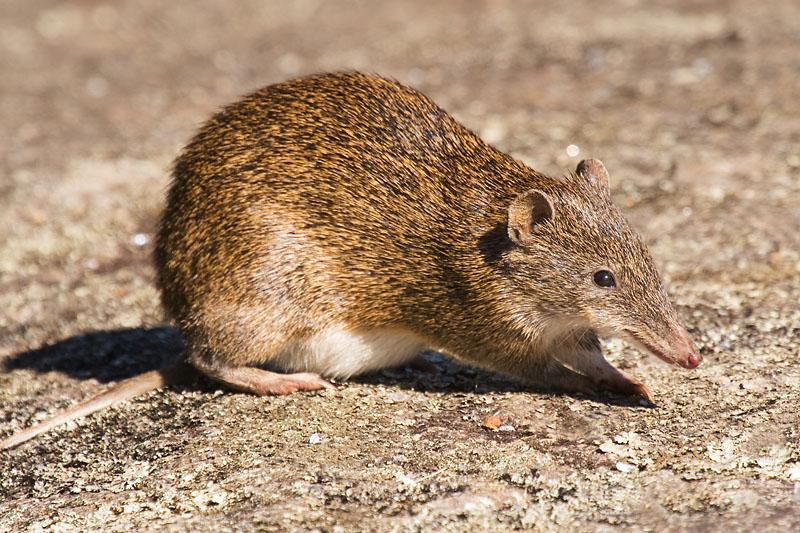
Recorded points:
(492, 422)
(625, 467)
(314, 439)
(139, 239)
(397, 397)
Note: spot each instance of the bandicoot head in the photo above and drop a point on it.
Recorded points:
(573, 244)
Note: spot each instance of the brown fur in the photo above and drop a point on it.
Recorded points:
(350, 199)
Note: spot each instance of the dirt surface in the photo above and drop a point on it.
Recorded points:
(694, 108)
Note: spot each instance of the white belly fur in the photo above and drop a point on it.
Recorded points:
(339, 353)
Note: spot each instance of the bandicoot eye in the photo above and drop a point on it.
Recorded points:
(605, 279)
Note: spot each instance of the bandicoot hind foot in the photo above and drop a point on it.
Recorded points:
(266, 383)
(300, 382)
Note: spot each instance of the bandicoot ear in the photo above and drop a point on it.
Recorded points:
(526, 212)
(594, 171)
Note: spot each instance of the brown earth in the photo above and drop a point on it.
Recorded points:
(692, 105)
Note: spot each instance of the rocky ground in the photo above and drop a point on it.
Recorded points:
(692, 105)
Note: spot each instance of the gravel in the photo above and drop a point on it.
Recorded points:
(693, 108)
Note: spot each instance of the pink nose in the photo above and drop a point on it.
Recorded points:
(694, 360)
(691, 356)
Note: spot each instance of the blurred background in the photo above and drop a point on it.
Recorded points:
(692, 105)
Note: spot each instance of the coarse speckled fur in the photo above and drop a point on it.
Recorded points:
(348, 202)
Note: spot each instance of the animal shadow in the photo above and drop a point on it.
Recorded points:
(114, 355)
(103, 355)
(448, 375)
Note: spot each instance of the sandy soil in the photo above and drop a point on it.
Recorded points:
(692, 105)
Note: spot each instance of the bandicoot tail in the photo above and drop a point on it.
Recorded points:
(122, 391)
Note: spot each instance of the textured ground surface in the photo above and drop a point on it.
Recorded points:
(693, 107)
